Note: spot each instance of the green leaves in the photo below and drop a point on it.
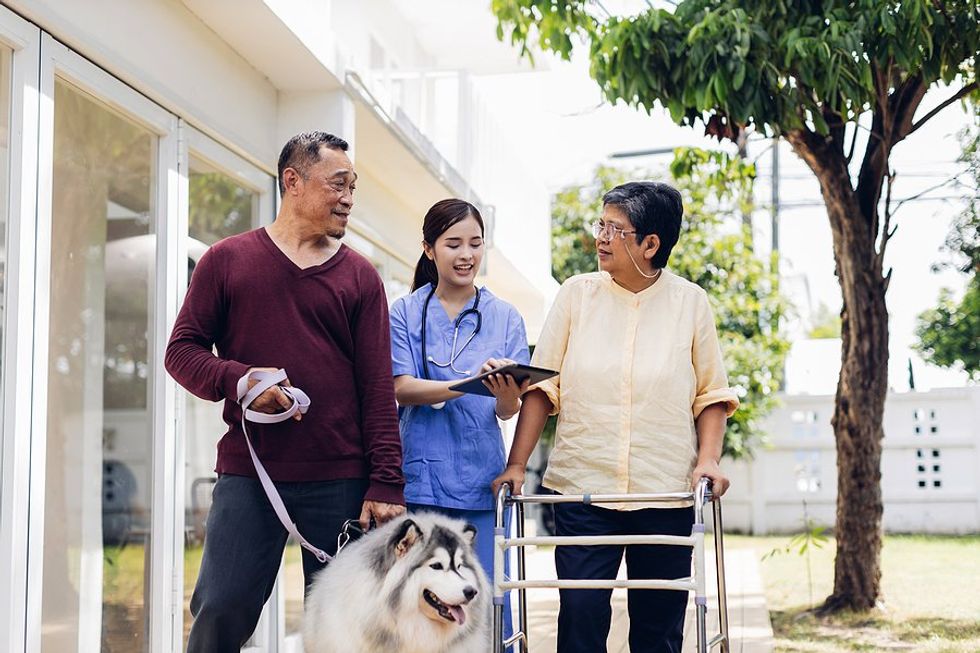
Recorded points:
(949, 334)
(758, 62)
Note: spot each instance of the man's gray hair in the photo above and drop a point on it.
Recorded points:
(303, 150)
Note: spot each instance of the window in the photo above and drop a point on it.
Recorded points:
(220, 205)
(928, 475)
(98, 479)
(5, 70)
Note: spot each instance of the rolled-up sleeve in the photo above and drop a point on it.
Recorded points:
(711, 380)
(552, 345)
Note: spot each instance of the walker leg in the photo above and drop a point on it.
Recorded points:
(700, 593)
(499, 534)
(720, 562)
(521, 575)
(498, 627)
(702, 611)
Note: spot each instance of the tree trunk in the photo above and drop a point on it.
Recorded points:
(860, 400)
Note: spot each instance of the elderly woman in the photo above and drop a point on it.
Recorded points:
(642, 400)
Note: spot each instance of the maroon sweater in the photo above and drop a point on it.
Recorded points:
(328, 327)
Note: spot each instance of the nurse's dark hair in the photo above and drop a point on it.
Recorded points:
(442, 216)
(652, 208)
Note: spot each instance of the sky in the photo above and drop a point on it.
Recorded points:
(564, 130)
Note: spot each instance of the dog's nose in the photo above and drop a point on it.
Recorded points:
(469, 592)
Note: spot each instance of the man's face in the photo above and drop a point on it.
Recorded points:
(326, 196)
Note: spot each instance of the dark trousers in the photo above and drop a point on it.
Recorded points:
(656, 616)
(243, 547)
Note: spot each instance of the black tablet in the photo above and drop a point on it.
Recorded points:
(519, 372)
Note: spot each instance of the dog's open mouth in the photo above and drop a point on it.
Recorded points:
(446, 611)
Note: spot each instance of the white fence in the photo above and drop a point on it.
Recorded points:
(930, 466)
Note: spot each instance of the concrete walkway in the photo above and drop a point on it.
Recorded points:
(748, 618)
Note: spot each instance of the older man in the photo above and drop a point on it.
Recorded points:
(289, 296)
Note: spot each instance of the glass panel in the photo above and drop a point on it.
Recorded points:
(4, 169)
(99, 453)
(294, 588)
(219, 207)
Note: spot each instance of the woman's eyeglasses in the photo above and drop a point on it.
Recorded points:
(607, 230)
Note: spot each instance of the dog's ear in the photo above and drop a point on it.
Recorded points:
(469, 533)
(405, 537)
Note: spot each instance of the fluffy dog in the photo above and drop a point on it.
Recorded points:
(412, 586)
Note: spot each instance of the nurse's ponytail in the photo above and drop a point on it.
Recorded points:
(443, 215)
(425, 272)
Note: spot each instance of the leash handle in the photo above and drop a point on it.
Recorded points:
(301, 402)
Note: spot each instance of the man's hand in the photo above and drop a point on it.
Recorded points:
(273, 400)
(513, 475)
(710, 468)
(379, 511)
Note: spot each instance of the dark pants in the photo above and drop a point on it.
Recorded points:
(243, 547)
(656, 616)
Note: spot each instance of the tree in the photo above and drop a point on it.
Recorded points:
(714, 251)
(949, 334)
(807, 71)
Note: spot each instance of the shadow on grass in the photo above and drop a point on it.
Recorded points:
(799, 629)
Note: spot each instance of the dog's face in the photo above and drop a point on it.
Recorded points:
(441, 572)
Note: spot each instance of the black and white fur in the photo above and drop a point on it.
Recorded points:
(412, 586)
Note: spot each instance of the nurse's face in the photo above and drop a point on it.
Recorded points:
(458, 253)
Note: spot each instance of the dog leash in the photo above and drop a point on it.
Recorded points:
(301, 403)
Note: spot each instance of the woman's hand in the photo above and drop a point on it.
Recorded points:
(710, 469)
(513, 475)
(503, 386)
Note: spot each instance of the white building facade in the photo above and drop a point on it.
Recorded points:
(930, 467)
(135, 135)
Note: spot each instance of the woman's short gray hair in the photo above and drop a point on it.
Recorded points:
(652, 207)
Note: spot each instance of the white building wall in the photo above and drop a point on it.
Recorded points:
(164, 51)
(930, 466)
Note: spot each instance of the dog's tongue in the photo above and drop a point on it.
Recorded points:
(458, 614)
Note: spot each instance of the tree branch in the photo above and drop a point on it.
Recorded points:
(912, 198)
(887, 232)
(854, 140)
(963, 92)
(903, 104)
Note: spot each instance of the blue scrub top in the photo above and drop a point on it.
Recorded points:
(451, 455)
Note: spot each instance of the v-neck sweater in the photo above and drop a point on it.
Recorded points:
(327, 326)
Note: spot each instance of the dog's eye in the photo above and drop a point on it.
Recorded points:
(436, 565)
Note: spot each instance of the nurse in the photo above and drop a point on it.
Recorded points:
(444, 332)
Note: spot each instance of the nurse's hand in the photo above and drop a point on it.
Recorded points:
(512, 475)
(503, 386)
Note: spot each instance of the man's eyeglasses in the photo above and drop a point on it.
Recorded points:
(607, 230)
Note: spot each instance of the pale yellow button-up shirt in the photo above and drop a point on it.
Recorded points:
(635, 371)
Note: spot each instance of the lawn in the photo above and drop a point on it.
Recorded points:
(930, 597)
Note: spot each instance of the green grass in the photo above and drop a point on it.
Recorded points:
(930, 597)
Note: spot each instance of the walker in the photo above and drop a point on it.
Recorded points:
(696, 583)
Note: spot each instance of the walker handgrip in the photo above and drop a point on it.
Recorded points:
(702, 493)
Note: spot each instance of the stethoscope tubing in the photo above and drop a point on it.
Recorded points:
(453, 354)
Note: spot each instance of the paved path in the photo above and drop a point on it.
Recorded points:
(748, 617)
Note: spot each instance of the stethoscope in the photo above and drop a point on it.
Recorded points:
(453, 352)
